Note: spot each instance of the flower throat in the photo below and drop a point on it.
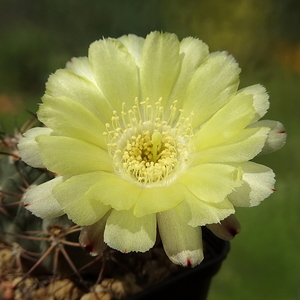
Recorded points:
(146, 148)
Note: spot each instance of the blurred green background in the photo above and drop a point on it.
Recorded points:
(39, 36)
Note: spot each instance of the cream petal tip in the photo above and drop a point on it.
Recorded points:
(127, 233)
(276, 139)
(226, 229)
(40, 201)
(276, 136)
(261, 103)
(91, 237)
(94, 249)
(29, 148)
(188, 258)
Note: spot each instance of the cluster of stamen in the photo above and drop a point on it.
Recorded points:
(147, 149)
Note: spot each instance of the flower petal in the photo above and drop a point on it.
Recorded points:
(110, 189)
(242, 147)
(65, 83)
(211, 182)
(159, 66)
(260, 96)
(134, 45)
(91, 237)
(211, 87)
(227, 229)
(70, 118)
(115, 72)
(70, 194)
(276, 137)
(258, 184)
(182, 243)
(65, 155)
(169, 197)
(125, 232)
(192, 53)
(40, 201)
(81, 66)
(29, 148)
(200, 213)
(226, 123)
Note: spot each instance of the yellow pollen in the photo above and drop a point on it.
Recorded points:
(146, 148)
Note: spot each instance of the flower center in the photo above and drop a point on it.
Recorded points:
(147, 149)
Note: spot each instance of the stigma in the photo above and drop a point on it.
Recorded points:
(150, 145)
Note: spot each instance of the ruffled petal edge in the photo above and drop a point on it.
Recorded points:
(40, 201)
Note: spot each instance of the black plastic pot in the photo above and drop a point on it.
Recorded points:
(191, 284)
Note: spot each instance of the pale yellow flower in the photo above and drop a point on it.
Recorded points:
(147, 133)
